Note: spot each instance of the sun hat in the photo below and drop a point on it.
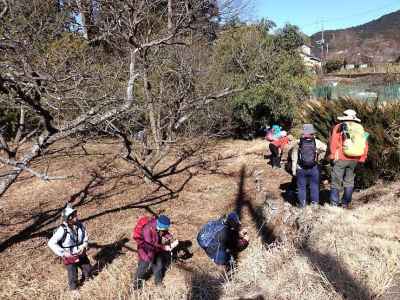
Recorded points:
(349, 115)
(68, 212)
(308, 129)
(163, 222)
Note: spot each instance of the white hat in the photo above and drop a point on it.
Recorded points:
(283, 133)
(349, 115)
(67, 212)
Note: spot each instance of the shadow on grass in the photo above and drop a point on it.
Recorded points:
(264, 230)
(203, 285)
(88, 194)
(337, 277)
(108, 253)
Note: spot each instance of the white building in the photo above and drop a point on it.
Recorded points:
(309, 60)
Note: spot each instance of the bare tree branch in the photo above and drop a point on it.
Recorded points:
(5, 9)
(23, 167)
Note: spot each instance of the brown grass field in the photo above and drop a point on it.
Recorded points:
(327, 253)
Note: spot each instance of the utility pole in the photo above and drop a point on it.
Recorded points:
(321, 43)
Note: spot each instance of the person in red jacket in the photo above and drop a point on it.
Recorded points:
(276, 147)
(343, 166)
(156, 241)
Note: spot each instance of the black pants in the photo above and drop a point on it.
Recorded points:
(146, 268)
(275, 156)
(72, 269)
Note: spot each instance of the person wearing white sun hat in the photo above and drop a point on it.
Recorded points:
(348, 146)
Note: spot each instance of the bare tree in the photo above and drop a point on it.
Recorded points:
(65, 85)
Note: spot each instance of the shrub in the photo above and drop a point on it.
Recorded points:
(333, 66)
(382, 122)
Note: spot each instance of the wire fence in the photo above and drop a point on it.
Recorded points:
(389, 92)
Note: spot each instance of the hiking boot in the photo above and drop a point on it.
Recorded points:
(346, 206)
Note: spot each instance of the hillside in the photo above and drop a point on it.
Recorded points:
(375, 41)
(327, 253)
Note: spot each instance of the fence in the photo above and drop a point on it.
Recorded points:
(362, 92)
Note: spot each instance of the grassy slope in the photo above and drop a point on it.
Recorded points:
(359, 247)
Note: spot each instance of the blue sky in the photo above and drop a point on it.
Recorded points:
(335, 14)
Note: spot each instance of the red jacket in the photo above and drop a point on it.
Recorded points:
(281, 143)
(151, 244)
(336, 146)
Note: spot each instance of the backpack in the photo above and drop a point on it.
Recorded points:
(270, 135)
(307, 153)
(138, 229)
(354, 138)
(207, 234)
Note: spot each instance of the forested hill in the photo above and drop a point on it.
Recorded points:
(378, 40)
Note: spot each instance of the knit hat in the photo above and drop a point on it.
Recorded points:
(308, 129)
(163, 222)
(67, 212)
(349, 115)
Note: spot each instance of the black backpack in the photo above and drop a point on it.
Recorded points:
(307, 153)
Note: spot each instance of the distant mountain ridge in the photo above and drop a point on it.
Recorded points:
(376, 41)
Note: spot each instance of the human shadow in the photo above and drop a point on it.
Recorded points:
(338, 277)
(108, 253)
(264, 229)
(203, 285)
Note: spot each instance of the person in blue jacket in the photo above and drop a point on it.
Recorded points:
(222, 240)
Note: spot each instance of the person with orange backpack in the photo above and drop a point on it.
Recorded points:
(348, 146)
(153, 243)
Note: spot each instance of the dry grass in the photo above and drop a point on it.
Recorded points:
(359, 246)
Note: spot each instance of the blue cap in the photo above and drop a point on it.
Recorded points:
(233, 218)
(163, 222)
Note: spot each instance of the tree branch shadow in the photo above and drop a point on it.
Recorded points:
(337, 276)
(87, 195)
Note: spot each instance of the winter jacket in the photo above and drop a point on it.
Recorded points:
(76, 239)
(151, 244)
(336, 146)
(321, 151)
(281, 143)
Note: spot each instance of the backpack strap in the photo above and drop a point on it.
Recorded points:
(65, 233)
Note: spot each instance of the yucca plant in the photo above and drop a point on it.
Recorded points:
(380, 119)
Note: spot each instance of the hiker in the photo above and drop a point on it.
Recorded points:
(276, 147)
(305, 155)
(70, 242)
(348, 146)
(222, 240)
(154, 243)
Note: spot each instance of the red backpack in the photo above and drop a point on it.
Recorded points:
(138, 229)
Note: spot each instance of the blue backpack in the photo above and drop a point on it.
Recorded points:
(206, 236)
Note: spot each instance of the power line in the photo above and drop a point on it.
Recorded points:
(350, 16)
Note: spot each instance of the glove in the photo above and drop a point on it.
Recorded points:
(174, 244)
